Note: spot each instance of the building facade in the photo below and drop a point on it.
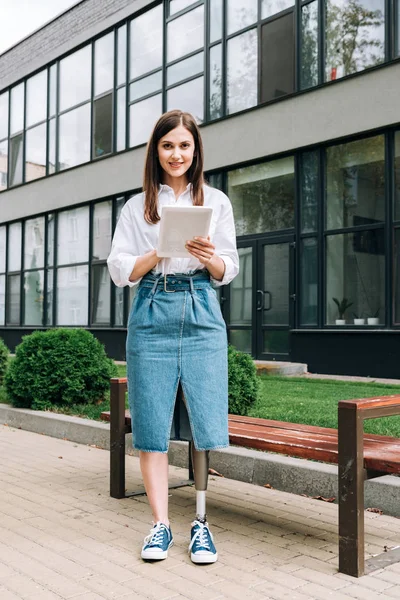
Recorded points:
(298, 103)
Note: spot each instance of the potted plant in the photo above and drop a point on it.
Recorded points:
(374, 320)
(358, 319)
(342, 306)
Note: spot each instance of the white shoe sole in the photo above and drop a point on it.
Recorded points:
(153, 554)
(203, 559)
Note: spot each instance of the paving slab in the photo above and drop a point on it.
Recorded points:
(62, 536)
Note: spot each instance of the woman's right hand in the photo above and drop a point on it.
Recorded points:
(144, 264)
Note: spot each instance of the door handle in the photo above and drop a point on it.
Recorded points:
(260, 306)
(269, 300)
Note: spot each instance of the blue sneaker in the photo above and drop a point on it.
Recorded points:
(157, 543)
(201, 547)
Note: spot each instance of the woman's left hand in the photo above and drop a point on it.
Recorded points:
(201, 248)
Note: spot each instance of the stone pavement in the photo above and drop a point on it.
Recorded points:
(62, 536)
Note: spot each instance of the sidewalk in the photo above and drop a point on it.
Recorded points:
(62, 536)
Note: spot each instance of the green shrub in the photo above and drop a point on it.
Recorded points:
(58, 367)
(4, 356)
(243, 382)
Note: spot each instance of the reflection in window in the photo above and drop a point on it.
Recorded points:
(36, 99)
(241, 13)
(53, 90)
(216, 17)
(52, 146)
(355, 36)
(3, 115)
(14, 247)
(277, 58)
(17, 109)
(49, 297)
(35, 157)
(102, 125)
(215, 74)
(396, 284)
(309, 45)
(104, 64)
(73, 236)
(16, 163)
(262, 196)
(74, 138)
(2, 299)
(101, 288)
(309, 191)
(72, 295)
(121, 119)
(272, 7)
(34, 243)
(13, 307)
(355, 180)
(121, 57)
(309, 281)
(50, 240)
(355, 271)
(143, 116)
(185, 68)
(119, 306)
(241, 290)
(177, 5)
(241, 339)
(33, 298)
(145, 86)
(188, 97)
(75, 78)
(242, 71)
(146, 41)
(101, 230)
(3, 164)
(185, 34)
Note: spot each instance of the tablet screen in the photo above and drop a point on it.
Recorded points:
(179, 224)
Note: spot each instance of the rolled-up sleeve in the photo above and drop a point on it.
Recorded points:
(124, 252)
(224, 240)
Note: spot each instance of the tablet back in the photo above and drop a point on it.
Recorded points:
(179, 224)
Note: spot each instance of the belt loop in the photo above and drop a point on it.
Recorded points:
(153, 289)
(191, 284)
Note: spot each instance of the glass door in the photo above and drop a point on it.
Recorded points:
(259, 307)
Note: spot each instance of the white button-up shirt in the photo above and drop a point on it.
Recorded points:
(134, 237)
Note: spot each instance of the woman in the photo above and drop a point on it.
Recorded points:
(175, 338)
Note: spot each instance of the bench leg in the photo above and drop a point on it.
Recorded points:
(117, 440)
(351, 492)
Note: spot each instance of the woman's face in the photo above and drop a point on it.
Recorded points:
(175, 151)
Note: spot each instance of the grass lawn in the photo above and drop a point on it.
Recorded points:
(297, 400)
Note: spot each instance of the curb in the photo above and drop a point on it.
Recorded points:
(294, 475)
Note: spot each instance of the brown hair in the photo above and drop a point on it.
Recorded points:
(153, 171)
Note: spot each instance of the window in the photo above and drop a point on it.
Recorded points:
(355, 36)
(121, 55)
(143, 116)
(33, 297)
(355, 276)
(242, 72)
(216, 20)
(2, 275)
(263, 196)
(272, 7)
(355, 185)
(53, 91)
(17, 109)
(101, 295)
(3, 164)
(145, 86)
(177, 5)
(146, 42)
(277, 63)
(101, 230)
(185, 34)
(75, 78)
(397, 176)
(121, 119)
(241, 13)
(72, 295)
(35, 159)
(16, 165)
(309, 281)
(309, 45)
(188, 97)
(74, 137)
(215, 74)
(3, 115)
(104, 64)
(102, 143)
(52, 147)
(185, 68)
(34, 243)
(309, 191)
(73, 236)
(36, 99)
(13, 300)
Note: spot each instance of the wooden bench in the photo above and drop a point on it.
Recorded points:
(359, 457)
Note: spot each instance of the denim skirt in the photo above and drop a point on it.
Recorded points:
(177, 338)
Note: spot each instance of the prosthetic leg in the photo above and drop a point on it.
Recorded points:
(201, 462)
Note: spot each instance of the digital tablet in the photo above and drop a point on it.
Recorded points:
(179, 224)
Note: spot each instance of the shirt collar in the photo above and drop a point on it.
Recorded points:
(164, 187)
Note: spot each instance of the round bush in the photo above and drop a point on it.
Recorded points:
(243, 381)
(4, 356)
(58, 367)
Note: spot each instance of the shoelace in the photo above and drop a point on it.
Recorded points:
(202, 535)
(156, 535)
